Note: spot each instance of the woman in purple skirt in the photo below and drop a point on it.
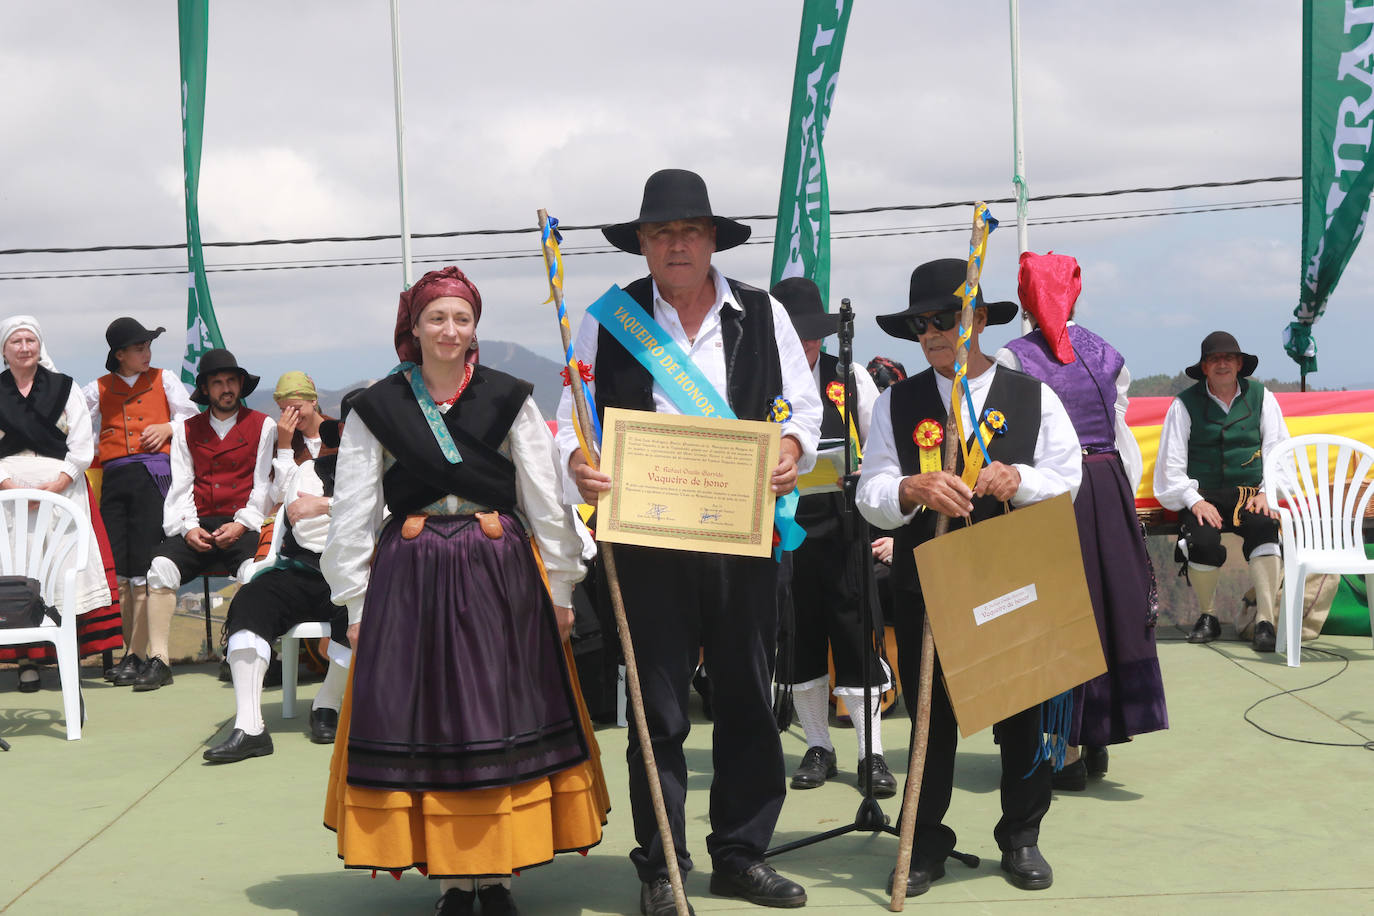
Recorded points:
(463, 748)
(1091, 378)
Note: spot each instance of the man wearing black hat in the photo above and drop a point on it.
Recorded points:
(1210, 469)
(825, 570)
(291, 592)
(221, 467)
(678, 600)
(133, 408)
(1034, 455)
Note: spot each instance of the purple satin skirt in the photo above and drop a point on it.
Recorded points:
(1129, 699)
(459, 681)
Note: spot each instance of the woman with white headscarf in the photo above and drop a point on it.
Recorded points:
(46, 443)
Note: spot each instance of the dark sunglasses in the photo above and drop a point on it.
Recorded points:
(943, 321)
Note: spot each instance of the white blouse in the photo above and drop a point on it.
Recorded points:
(356, 516)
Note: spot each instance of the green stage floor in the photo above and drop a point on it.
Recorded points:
(1212, 816)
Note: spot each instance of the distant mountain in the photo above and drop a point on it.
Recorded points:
(1169, 385)
(508, 357)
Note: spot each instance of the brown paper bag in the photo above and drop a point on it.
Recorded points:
(1010, 612)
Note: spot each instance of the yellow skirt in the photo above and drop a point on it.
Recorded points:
(474, 833)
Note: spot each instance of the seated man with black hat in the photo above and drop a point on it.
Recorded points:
(825, 570)
(291, 592)
(221, 468)
(1210, 469)
(743, 345)
(1034, 455)
(132, 410)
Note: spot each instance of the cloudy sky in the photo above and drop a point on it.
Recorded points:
(514, 106)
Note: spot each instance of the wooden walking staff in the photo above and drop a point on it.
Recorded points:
(586, 435)
(953, 442)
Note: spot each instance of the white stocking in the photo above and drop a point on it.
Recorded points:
(248, 670)
(330, 694)
(811, 700)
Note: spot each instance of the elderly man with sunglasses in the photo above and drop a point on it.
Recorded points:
(1035, 455)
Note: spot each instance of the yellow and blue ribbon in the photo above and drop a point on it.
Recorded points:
(967, 293)
(550, 238)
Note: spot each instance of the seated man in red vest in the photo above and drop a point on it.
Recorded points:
(221, 465)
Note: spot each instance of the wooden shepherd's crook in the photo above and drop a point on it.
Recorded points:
(916, 766)
(583, 419)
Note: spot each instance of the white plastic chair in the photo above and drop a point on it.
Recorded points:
(44, 536)
(291, 639)
(1321, 518)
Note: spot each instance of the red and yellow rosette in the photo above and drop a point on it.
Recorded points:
(835, 392)
(929, 436)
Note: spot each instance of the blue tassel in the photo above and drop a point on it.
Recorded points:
(1056, 719)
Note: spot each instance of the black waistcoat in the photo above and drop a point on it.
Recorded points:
(1015, 394)
(819, 513)
(478, 423)
(30, 423)
(753, 372)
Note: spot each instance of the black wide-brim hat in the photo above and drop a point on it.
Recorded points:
(219, 360)
(802, 299)
(125, 332)
(671, 194)
(936, 287)
(1222, 342)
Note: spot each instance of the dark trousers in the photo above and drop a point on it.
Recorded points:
(131, 508)
(1025, 784)
(1204, 541)
(675, 602)
(217, 560)
(828, 615)
(278, 599)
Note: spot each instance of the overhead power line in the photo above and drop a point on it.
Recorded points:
(574, 251)
(458, 233)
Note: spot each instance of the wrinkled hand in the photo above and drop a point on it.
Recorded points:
(352, 633)
(227, 535)
(1207, 513)
(199, 540)
(882, 550)
(938, 490)
(307, 506)
(564, 616)
(1259, 504)
(784, 478)
(290, 417)
(998, 480)
(57, 484)
(155, 437)
(590, 482)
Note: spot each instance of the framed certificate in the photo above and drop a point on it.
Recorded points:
(688, 483)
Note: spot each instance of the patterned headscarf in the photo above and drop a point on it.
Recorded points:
(26, 323)
(295, 384)
(434, 285)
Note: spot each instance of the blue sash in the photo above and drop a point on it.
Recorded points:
(690, 391)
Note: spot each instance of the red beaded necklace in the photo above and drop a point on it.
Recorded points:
(462, 386)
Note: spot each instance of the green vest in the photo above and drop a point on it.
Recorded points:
(1224, 448)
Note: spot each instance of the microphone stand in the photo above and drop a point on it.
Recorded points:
(869, 817)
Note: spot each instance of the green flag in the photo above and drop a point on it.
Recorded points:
(1338, 163)
(202, 330)
(802, 245)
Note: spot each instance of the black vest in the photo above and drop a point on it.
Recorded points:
(753, 372)
(820, 513)
(30, 423)
(478, 423)
(1015, 394)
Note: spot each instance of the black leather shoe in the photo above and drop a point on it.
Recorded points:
(875, 769)
(155, 674)
(759, 884)
(130, 674)
(656, 899)
(1027, 868)
(1206, 629)
(324, 724)
(456, 903)
(32, 684)
(817, 765)
(918, 879)
(1073, 778)
(1095, 759)
(128, 665)
(240, 746)
(1265, 638)
(496, 901)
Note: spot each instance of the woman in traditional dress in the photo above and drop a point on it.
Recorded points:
(463, 747)
(46, 443)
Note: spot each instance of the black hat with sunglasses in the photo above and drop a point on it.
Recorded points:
(935, 287)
